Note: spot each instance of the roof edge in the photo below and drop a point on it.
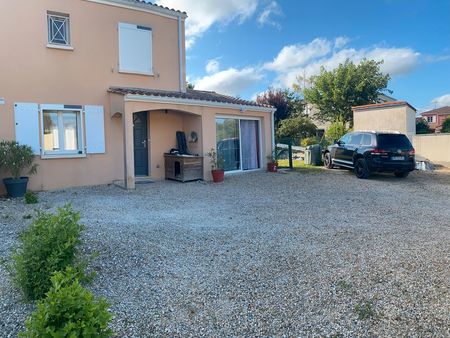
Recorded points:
(383, 105)
(193, 102)
(144, 7)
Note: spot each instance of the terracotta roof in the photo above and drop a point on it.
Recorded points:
(382, 105)
(152, 5)
(191, 94)
(438, 111)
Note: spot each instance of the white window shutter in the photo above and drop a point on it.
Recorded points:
(26, 117)
(95, 129)
(135, 49)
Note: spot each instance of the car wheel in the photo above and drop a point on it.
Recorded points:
(361, 168)
(327, 161)
(401, 174)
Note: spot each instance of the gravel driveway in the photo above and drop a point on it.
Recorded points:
(309, 253)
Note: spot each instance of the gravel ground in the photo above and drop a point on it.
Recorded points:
(310, 253)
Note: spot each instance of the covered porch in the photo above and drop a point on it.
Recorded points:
(151, 119)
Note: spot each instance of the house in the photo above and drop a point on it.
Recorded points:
(436, 117)
(98, 89)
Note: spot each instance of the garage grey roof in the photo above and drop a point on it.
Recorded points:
(191, 94)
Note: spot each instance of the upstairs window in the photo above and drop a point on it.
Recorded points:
(431, 119)
(58, 29)
(135, 49)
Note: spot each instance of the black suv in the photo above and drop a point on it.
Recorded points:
(367, 152)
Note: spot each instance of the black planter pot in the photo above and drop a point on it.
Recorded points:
(16, 187)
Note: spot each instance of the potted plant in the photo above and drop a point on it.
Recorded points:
(272, 162)
(14, 159)
(217, 164)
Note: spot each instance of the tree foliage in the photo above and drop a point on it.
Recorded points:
(335, 92)
(285, 101)
(446, 125)
(296, 127)
(335, 131)
(422, 127)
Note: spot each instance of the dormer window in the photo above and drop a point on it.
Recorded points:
(58, 29)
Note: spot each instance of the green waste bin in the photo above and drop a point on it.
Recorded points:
(313, 154)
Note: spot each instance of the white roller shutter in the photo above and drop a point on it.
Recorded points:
(135, 49)
(95, 129)
(26, 117)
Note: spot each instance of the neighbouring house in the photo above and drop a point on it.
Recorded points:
(98, 89)
(387, 116)
(436, 117)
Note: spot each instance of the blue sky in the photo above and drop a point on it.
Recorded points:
(241, 47)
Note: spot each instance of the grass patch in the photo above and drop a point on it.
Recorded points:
(365, 310)
(298, 165)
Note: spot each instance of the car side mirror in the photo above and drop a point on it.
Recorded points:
(337, 142)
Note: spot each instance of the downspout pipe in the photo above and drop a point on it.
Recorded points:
(273, 130)
(180, 54)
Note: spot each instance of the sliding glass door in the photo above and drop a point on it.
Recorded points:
(238, 143)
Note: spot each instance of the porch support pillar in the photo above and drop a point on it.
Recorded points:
(128, 146)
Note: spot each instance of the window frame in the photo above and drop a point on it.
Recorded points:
(81, 152)
(431, 119)
(260, 140)
(50, 40)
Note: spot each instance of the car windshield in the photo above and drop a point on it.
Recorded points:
(399, 141)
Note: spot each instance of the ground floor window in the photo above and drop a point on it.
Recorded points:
(238, 143)
(62, 132)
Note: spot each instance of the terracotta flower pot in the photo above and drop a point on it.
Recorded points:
(218, 175)
(272, 167)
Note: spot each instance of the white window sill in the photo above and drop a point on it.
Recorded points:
(61, 155)
(135, 72)
(63, 47)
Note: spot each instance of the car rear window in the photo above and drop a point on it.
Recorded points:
(393, 141)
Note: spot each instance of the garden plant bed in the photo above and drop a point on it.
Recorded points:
(300, 253)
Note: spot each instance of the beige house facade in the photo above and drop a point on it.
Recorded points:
(98, 89)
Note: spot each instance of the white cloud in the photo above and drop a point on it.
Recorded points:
(341, 41)
(307, 59)
(212, 66)
(441, 101)
(266, 16)
(203, 14)
(231, 81)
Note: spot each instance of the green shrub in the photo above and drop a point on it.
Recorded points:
(309, 141)
(446, 125)
(69, 310)
(335, 131)
(15, 158)
(422, 127)
(31, 198)
(48, 245)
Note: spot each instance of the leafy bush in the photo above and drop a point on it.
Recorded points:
(422, 127)
(446, 125)
(69, 310)
(335, 131)
(308, 141)
(48, 245)
(15, 158)
(31, 198)
(296, 127)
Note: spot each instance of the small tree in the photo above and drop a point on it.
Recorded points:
(335, 92)
(285, 101)
(422, 127)
(446, 125)
(296, 128)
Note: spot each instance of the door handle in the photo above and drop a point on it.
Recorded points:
(144, 143)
